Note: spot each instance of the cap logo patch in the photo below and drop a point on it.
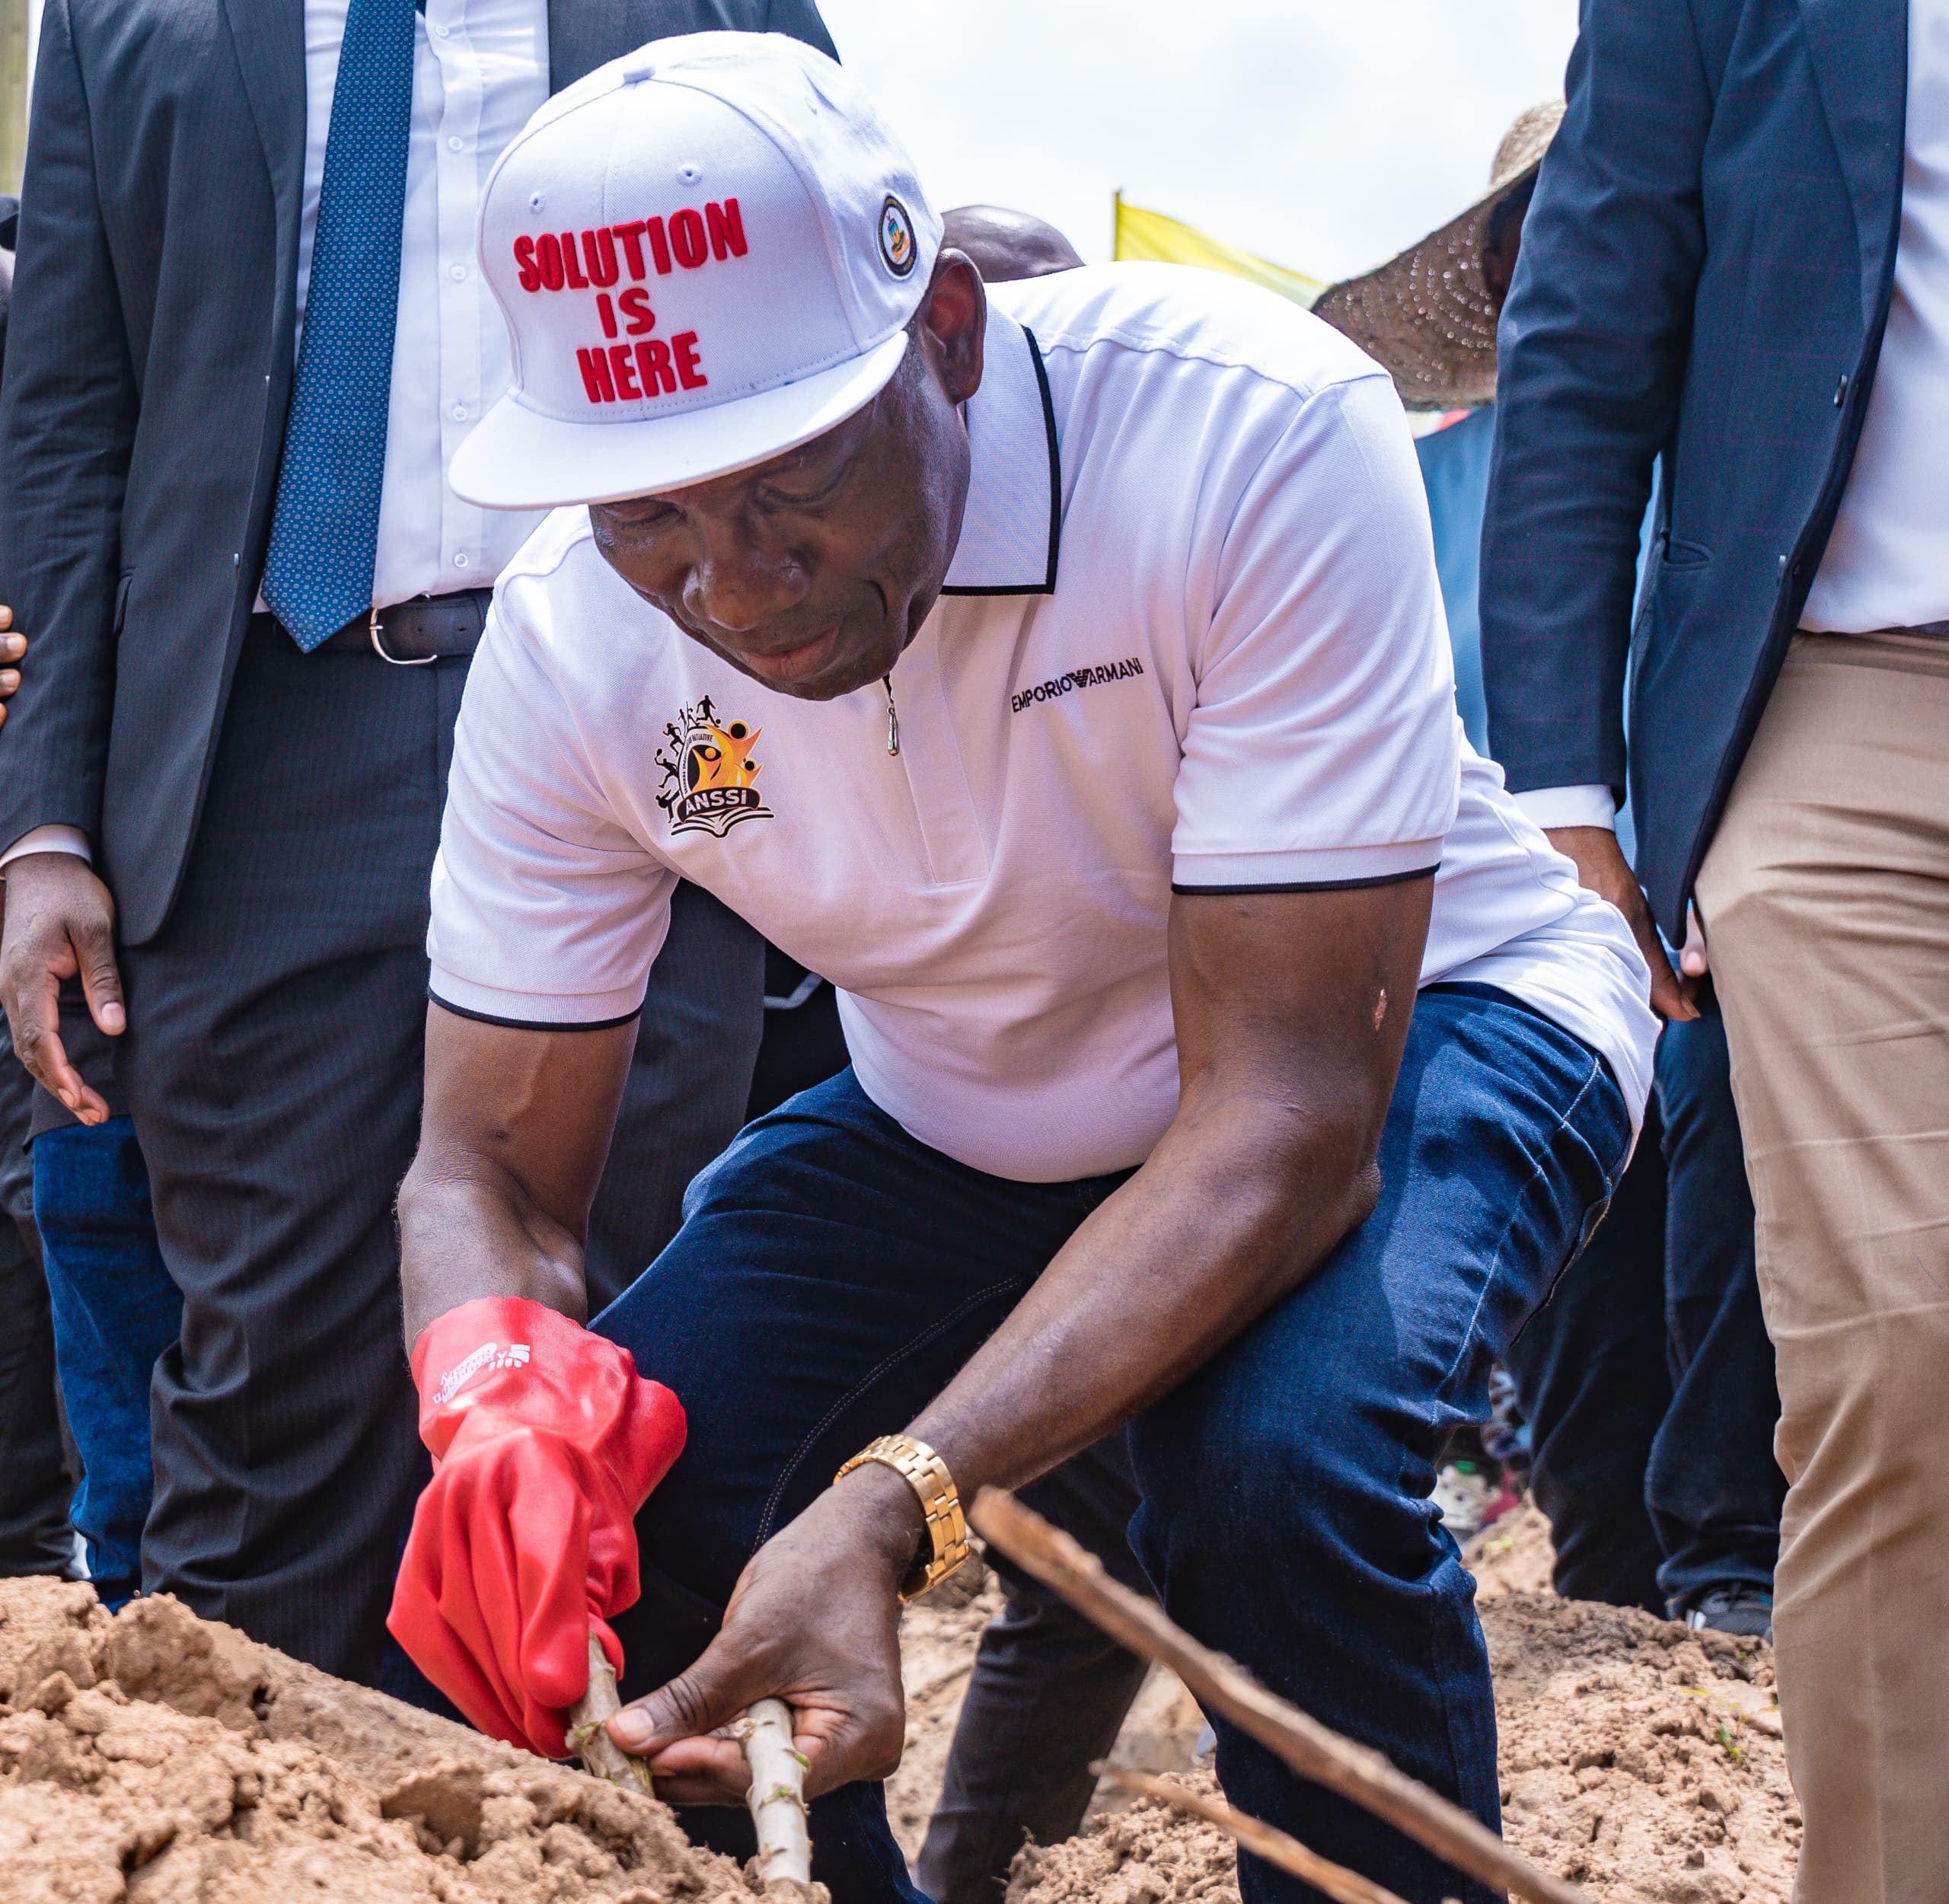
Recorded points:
(896, 238)
(708, 772)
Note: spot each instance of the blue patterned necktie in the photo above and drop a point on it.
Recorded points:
(325, 527)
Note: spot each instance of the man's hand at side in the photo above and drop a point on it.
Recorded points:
(1602, 866)
(13, 649)
(59, 922)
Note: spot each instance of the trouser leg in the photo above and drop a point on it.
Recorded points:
(1285, 1514)
(1714, 1489)
(684, 1099)
(1048, 1695)
(831, 1273)
(1594, 1382)
(1826, 902)
(115, 1312)
(272, 1066)
(830, 1276)
(34, 1484)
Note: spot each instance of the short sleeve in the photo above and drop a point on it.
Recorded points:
(547, 912)
(1323, 750)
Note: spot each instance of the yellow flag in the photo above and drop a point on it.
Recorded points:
(1151, 235)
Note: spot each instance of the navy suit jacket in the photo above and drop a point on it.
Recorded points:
(1705, 277)
(149, 372)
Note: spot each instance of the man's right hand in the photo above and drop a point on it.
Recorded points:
(59, 922)
(1602, 866)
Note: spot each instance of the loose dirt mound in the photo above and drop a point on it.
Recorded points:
(1639, 1759)
(938, 1638)
(161, 1759)
(1512, 1555)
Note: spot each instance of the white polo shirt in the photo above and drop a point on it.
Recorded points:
(1192, 638)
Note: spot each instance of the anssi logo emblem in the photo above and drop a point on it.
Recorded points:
(897, 245)
(708, 773)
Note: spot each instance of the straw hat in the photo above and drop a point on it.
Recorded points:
(1427, 315)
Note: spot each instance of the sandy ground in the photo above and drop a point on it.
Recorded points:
(1640, 1760)
(937, 1641)
(159, 1759)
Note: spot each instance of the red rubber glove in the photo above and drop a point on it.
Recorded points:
(546, 1441)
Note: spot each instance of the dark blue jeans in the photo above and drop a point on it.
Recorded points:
(832, 1274)
(115, 1311)
(1648, 1382)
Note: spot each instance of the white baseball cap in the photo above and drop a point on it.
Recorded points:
(707, 253)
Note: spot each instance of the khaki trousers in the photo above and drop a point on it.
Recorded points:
(1825, 898)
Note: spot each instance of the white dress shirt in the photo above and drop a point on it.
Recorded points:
(1886, 564)
(480, 70)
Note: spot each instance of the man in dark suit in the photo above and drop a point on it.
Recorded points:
(253, 600)
(1736, 265)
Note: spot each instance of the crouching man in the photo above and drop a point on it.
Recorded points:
(1061, 671)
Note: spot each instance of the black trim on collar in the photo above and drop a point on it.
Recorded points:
(1048, 585)
(529, 1024)
(1312, 885)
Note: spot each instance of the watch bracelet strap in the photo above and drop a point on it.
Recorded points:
(927, 1474)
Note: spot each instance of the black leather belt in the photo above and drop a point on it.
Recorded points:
(409, 633)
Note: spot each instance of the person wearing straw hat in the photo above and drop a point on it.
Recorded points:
(1648, 1380)
(1060, 670)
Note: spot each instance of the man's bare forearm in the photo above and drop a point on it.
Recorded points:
(1235, 1208)
(516, 1131)
(464, 1235)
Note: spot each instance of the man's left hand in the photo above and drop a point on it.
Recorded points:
(815, 1621)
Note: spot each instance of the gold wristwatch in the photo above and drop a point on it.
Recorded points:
(927, 1474)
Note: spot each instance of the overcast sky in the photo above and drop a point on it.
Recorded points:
(1326, 134)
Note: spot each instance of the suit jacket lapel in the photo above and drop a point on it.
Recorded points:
(1860, 61)
(269, 38)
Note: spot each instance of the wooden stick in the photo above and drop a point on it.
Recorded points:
(1221, 1686)
(1344, 1886)
(588, 1732)
(783, 1865)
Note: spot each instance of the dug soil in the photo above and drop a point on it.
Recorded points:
(1639, 1760)
(157, 1758)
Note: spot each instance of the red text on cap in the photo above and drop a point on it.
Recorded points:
(576, 261)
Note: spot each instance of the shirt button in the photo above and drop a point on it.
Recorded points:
(441, 33)
(457, 272)
(455, 143)
(460, 560)
(460, 412)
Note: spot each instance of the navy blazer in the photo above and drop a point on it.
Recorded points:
(149, 372)
(1704, 276)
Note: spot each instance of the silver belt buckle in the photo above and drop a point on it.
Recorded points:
(379, 648)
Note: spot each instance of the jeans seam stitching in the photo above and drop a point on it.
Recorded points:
(858, 1389)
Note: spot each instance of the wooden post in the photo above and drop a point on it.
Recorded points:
(1312, 1750)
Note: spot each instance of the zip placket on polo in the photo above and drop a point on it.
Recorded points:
(920, 732)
